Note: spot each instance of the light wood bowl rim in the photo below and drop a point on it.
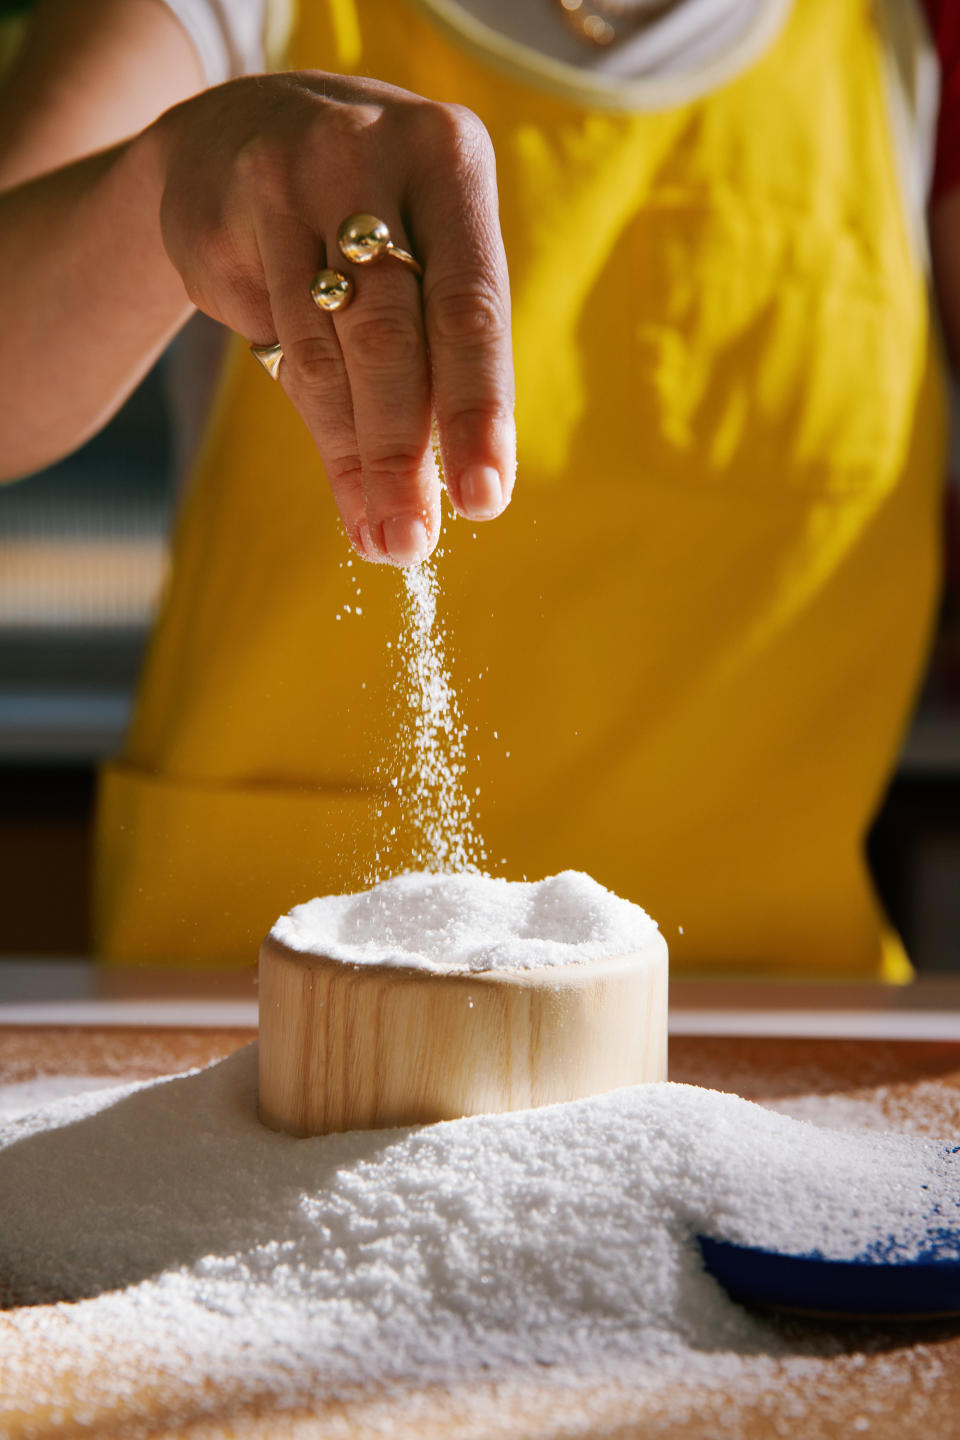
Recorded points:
(578, 973)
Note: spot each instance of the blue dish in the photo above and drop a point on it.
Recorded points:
(875, 1286)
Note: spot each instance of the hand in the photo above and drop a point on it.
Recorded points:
(259, 173)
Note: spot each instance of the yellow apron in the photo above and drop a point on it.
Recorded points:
(687, 653)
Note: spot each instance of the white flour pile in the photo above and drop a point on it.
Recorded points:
(469, 922)
(20, 1097)
(458, 1251)
(430, 780)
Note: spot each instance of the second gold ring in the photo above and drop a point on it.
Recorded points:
(362, 239)
(329, 290)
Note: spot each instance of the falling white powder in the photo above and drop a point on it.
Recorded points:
(431, 768)
(469, 922)
(474, 1248)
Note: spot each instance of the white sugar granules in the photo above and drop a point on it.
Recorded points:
(474, 1248)
(20, 1097)
(469, 922)
(430, 767)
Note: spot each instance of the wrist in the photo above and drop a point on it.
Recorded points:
(140, 168)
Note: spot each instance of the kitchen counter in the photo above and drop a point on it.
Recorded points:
(900, 1382)
(77, 991)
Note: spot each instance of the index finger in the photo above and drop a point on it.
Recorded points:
(455, 226)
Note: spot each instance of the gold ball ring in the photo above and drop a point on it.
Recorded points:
(330, 290)
(269, 357)
(364, 239)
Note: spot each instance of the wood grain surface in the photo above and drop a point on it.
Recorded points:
(885, 1385)
(364, 1047)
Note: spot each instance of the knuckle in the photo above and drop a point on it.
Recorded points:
(313, 367)
(262, 167)
(336, 137)
(452, 135)
(216, 270)
(468, 313)
(214, 251)
(400, 468)
(248, 292)
(348, 123)
(472, 422)
(345, 472)
(257, 161)
(325, 142)
(388, 339)
(465, 129)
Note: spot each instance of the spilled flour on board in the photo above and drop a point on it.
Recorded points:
(197, 1245)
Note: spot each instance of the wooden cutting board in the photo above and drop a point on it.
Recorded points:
(886, 1387)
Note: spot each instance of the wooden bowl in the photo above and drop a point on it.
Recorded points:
(363, 1047)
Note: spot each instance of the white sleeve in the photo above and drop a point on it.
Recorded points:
(229, 35)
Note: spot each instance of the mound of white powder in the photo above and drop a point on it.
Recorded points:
(559, 1235)
(469, 922)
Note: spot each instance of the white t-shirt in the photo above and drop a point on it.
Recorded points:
(232, 37)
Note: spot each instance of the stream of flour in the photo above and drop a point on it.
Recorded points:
(430, 778)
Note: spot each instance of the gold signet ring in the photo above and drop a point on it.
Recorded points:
(330, 290)
(269, 357)
(364, 238)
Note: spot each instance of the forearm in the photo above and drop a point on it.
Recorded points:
(89, 75)
(88, 295)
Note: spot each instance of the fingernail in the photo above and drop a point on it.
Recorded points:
(405, 539)
(481, 492)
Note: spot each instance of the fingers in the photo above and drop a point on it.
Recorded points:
(383, 343)
(313, 371)
(359, 379)
(367, 379)
(466, 295)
